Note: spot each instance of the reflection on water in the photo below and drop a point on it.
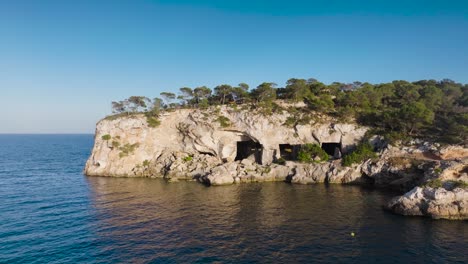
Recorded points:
(142, 219)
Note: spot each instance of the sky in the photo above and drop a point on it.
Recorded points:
(63, 62)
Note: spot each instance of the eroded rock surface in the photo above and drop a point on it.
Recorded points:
(434, 202)
(195, 133)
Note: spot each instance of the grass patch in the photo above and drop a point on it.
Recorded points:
(106, 137)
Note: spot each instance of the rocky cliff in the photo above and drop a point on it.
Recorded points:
(227, 145)
(127, 146)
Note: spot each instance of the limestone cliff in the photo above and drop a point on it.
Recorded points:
(127, 146)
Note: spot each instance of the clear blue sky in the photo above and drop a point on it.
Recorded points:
(63, 62)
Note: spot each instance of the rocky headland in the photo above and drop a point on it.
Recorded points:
(230, 145)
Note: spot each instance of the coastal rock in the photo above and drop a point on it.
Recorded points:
(310, 173)
(124, 144)
(438, 203)
(453, 152)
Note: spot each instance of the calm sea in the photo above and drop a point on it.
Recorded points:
(51, 213)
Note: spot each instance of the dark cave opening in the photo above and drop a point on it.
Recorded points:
(247, 148)
(331, 148)
(288, 151)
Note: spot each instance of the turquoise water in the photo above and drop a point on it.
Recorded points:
(51, 213)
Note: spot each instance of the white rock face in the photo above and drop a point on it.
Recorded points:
(434, 202)
(134, 149)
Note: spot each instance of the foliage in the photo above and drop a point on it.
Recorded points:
(363, 151)
(436, 183)
(188, 158)
(280, 161)
(265, 93)
(115, 144)
(290, 121)
(222, 91)
(310, 153)
(223, 121)
(266, 170)
(106, 137)
(297, 89)
(430, 109)
(127, 149)
(152, 120)
(146, 163)
(460, 184)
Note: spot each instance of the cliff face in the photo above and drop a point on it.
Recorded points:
(127, 146)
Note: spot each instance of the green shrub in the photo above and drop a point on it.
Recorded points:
(438, 170)
(115, 144)
(290, 121)
(106, 137)
(223, 121)
(309, 152)
(393, 137)
(188, 158)
(146, 163)
(362, 152)
(460, 184)
(152, 119)
(280, 161)
(127, 149)
(266, 170)
(436, 183)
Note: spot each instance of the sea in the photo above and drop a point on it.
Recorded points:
(51, 213)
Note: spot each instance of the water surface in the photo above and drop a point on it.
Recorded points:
(51, 213)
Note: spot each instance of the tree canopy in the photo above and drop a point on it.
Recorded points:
(428, 108)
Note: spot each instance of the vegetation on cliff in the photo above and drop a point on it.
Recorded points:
(430, 109)
(362, 152)
(310, 153)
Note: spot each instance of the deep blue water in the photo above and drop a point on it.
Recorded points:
(51, 213)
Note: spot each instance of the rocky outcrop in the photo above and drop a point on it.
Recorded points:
(128, 147)
(202, 145)
(453, 152)
(438, 203)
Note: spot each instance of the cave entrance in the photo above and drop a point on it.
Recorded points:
(332, 148)
(246, 149)
(288, 151)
